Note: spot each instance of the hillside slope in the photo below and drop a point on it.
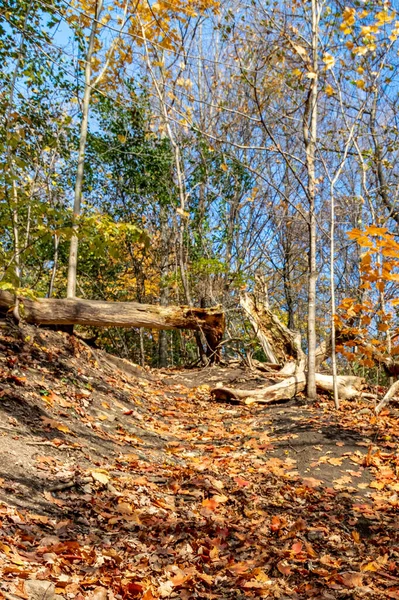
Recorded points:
(120, 482)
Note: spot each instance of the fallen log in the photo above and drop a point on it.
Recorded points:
(284, 390)
(348, 387)
(97, 313)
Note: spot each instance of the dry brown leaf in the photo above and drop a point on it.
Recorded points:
(351, 579)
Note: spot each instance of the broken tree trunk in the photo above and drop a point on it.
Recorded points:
(75, 311)
(281, 345)
(391, 393)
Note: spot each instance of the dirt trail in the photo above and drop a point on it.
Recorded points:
(118, 482)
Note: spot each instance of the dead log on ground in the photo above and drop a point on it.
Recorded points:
(348, 387)
(97, 313)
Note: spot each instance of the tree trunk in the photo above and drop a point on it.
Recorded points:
(73, 252)
(310, 137)
(280, 344)
(75, 311)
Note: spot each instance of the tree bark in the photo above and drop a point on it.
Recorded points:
(75, 311)
(73, 251)
(310, 122)
(391, 393)
(281, 345)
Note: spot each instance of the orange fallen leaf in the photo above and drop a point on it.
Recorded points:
(210, 503)
(124, 508)
(239, 568)
(311, 482)
(284, 568)
(296, 548)
(241, 482)
(276, 523)
(204, 577)
(351, 579)
(356, 537)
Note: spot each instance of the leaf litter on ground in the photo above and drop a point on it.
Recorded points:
(135, 484)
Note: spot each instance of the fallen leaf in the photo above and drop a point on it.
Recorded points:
(165, 589)
(351, 579)
(296, 548)
(100, 475)
(276, 523)
(124, 508)
(311, 482)
(284, 568)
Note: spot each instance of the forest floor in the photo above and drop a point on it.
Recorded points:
(121, 482)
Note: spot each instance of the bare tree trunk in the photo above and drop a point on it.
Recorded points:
(55, 265)
(10, 160)
(333, 303)
(142, 351)
(310, 137)
(73, 252)
(164, 291)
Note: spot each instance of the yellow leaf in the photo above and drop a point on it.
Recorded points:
(384, 17)
(349, 16)
(371, 566)
(100, 475)
(328, 60)
(356, 536)
(297, 72)
(329, 90)
(377, 485)
(360, 70)
(224, 167)
(360, 50)
(345, 29)
(360, 83)
(63, 428)
(182, 213)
